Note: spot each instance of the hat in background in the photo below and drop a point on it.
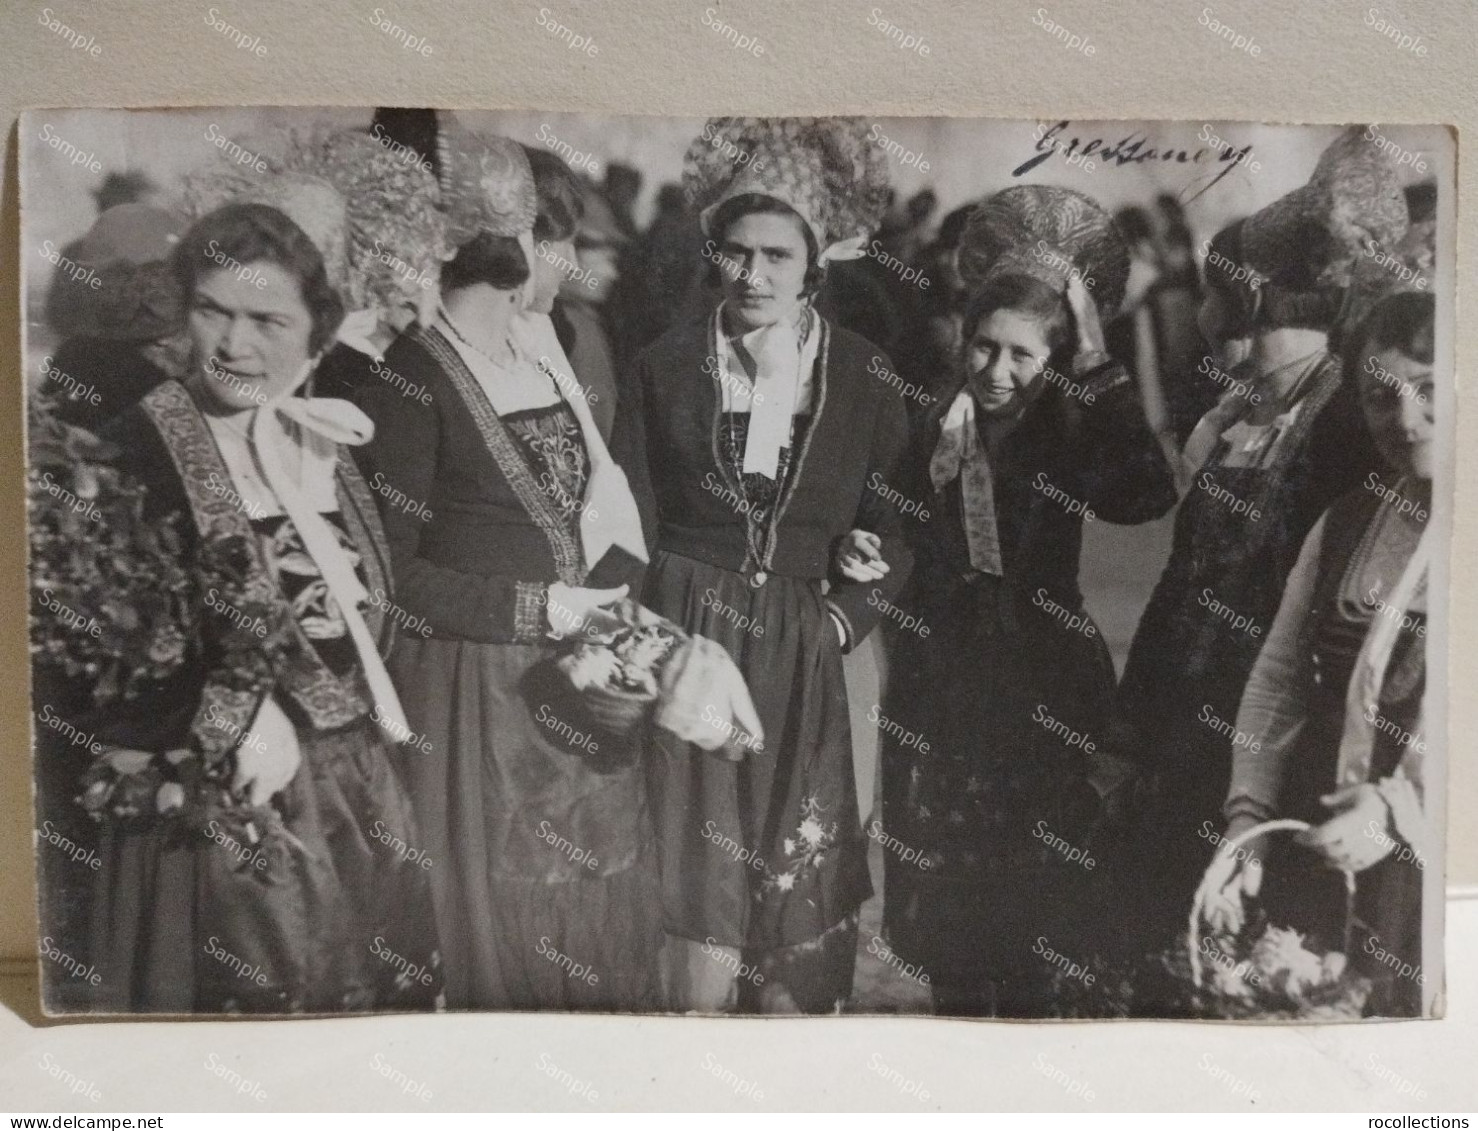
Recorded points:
(127, 248)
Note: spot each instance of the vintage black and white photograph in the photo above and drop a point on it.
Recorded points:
(971, 568)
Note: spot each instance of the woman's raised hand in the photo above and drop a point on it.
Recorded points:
(576, 611)
(859, 556)
(1091, 350)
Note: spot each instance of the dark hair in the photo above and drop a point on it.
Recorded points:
(1026, 295)
(1292, 299)
(1133, 223)
(497, 261)
(561, 203)
(757, 204)
(253, 233)
(1404, 322)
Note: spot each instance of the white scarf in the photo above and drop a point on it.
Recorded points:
(609, 516)
(312, 428)
(776, 362)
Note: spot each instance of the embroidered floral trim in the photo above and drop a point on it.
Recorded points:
(809, 846)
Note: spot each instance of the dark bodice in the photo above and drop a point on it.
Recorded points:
(760, 492)
(1102, 456)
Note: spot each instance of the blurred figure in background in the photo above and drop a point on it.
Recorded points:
(116, 337)
(580, 310)
(621, 189)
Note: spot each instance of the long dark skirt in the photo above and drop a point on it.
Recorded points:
(543, 863)
(985, 802)
(303, 906)
(767, 852)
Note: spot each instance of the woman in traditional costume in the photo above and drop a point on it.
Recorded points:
(510, 526)
(257, 849)
(1336, 695)
(758, 439)
(1283, 443)
(1003, 693)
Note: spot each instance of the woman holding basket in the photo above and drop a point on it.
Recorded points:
(1336, 695)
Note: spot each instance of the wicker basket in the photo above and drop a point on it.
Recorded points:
(1341, 999)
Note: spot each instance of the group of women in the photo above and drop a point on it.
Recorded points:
(388, 799)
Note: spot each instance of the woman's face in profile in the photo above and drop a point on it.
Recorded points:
(549, 273)
(1396, 397)
(1004, 361)
(249, 331)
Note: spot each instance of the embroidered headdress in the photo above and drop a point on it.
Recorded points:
(1407, 267)
(1312, 238)
(823, 168)
(486, 184)
(372, 211)
(1050, 234)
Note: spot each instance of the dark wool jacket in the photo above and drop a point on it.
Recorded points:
(473, 540)
(847, 470)
(165, 444)
(1101, 454)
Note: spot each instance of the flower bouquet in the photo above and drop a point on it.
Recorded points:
(617, 673)
(110, 601)
(1264, 970)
